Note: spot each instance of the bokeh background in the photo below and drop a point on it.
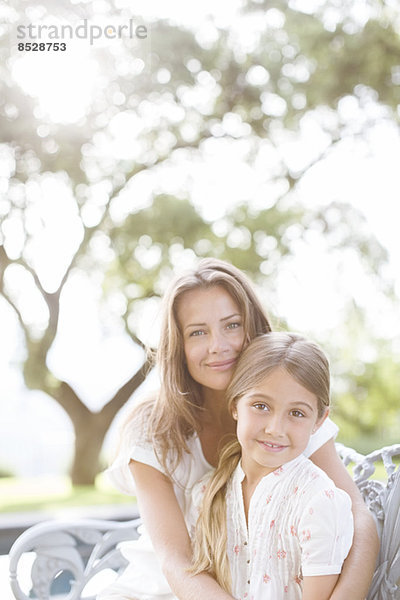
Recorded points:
(261, 132)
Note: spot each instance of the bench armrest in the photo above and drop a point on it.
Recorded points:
(79, 549)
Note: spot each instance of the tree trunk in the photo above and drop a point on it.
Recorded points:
(89, 437)
(91, 428)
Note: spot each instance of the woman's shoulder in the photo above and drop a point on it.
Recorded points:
(326, 432)
(137, 424)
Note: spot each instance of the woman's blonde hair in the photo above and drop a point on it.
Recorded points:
(173, 416)
(308, 365)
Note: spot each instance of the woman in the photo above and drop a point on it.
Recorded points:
(169, 443)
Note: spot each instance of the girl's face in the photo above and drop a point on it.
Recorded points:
(213, 335)
(274, 422)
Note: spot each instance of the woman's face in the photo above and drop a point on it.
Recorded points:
(212, 327)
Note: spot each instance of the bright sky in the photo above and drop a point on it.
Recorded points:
(369, 181)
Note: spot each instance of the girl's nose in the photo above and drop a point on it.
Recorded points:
(274, 425)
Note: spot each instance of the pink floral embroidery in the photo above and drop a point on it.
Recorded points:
(311, 510)
(329, 493)
(277, 472)
(236, 549)
(293, 530)
(268, 500)
(272, 524)
(306, 535)
(266, 578)
(295, 490)
(286, 589)
(281, 554)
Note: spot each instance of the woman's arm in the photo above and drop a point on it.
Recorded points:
(164, 521)
(358, 568)
(318, 587)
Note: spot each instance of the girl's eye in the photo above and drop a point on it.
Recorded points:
(260, 406)
(297, 413)
(196, 333)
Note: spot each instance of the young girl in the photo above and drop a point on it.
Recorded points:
(169, 443)
(272, 525)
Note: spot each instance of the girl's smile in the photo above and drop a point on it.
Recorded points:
(271, 447)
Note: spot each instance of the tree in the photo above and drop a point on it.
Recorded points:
(178, 96)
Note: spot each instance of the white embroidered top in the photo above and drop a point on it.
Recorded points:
(143, 578)
(299, 524)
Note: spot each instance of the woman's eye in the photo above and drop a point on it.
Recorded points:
(196, 333)
(234, 325)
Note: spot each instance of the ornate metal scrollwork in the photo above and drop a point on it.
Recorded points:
(78, 549)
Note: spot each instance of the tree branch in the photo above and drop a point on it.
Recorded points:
(66, 397)
(18, 313)
(161, 159)
(125, 392)
(4, 263)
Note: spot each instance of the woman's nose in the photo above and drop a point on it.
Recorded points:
(217, 342)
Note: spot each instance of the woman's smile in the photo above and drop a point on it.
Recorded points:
(222, 365)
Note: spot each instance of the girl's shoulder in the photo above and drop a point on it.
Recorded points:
(315, 483)
(311, 475)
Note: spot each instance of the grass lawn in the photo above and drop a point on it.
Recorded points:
(51, 494)
(55, 493)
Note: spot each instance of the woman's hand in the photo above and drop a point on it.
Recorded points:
(318, 587)
(166, 526)
(358, 568)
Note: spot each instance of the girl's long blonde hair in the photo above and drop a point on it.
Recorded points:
(174, 414)
(309, 366)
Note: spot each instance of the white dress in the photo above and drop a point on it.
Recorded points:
(299, 524)
(143, 578)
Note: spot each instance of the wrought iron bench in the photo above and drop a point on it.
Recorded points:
(75, 552)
